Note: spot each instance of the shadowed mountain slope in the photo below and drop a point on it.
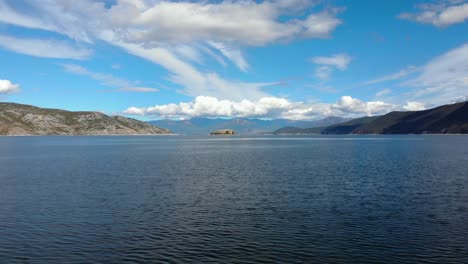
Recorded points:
(446, 119)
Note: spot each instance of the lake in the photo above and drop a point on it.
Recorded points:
(180, 199)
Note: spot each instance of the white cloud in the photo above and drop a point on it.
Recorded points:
(210, 106)
(414, 106)
(105, 79)
(11, 16)
(7, 87)
(155, 29)
(323, 72)
(441, 79)
(246, 22)
(44, 48)
(348, 104)
(442, 14)
(266, 107)
(339, 61)
(328, 64)
(322, 24)
(233, 54)
(383, 92)
(188, 52)
(123, 85)
(139, 89)
(460, 99)
(394, 76)
(194, 81)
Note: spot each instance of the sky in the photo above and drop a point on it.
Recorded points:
(293, 59)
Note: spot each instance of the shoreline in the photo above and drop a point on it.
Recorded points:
(93, 135)
(182, 135)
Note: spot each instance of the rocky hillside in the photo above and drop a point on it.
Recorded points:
(18, 119)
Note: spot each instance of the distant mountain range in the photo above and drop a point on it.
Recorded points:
(18, 119)
(298, 130)
(243, 126)
(446, 119)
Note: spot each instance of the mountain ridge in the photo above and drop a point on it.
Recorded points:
(445, 119)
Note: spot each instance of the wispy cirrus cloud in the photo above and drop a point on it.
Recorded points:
(233, 54)
(11, 16)
(193, 81)
(394, 76)
(44, 48)
(383, 92)
(138, 89)
(441, 80)
(121, 85)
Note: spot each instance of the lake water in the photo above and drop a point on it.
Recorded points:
(364, 199)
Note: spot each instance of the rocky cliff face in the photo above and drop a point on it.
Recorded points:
(18, 119)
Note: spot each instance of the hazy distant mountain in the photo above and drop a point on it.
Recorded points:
(298, 130)
(243, 126)
(18, 119)
(343, 128)
(446, 119)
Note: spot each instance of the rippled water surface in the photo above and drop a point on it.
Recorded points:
(365, 199)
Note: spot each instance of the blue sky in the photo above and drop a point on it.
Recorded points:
(296, 59)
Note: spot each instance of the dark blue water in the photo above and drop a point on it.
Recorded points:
(365, 199)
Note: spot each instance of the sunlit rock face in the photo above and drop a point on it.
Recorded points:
(17, 119)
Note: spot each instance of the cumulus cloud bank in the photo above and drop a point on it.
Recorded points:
(268, 107)
(7, 87)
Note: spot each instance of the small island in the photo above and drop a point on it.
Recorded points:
(223, 132)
